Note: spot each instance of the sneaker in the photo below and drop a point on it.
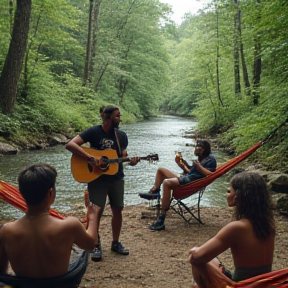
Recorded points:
(96, 254)
(119, 248)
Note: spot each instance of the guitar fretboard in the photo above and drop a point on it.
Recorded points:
(119, 160)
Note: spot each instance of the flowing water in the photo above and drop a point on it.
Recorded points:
(162, 135)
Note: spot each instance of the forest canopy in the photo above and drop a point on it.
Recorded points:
(61, 60)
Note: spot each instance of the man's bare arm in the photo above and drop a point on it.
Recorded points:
(74, 146)
(203, 170)
(86, 239)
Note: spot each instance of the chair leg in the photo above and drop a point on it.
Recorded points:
(152, 206)
(182, 209)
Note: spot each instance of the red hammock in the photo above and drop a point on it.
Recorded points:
(11, 195)
(215, 279)
(189, 189)
(273, 279)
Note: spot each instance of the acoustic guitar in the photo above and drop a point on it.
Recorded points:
(107, 163)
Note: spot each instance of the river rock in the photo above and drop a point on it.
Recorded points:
(282, 205)
(7, 149)
(278, 183)
(56, 139)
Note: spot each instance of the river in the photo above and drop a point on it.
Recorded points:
(162, 135)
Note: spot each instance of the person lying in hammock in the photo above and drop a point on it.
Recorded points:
(250, 236)
(38, 245)
(205, 165)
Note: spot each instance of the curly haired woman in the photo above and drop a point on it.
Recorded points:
(250, 236)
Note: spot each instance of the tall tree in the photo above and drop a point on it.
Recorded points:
(14, 60)
(257, 58)
(243, 61)
(88, 44)
(217, 60)
(237, 28)
(95, 20)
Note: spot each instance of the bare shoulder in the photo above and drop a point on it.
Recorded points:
(8, 226)
(71, 221)
(8, 229)
(235, 229)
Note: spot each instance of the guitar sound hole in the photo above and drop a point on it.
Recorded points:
(104, 163)
(90, 168)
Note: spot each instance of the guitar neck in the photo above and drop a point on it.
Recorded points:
(119, 160)
(124, 159)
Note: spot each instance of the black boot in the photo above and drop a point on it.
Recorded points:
(159, 224)
(152, 194)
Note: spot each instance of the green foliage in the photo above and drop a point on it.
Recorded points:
(131, 59)
(144, 63)
(238, 122)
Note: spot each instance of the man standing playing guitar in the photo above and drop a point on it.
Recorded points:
(101, 137)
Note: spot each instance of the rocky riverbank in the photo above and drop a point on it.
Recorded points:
(49, 141)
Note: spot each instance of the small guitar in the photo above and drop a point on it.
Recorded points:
(108, 163)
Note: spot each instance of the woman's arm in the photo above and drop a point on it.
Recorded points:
(223, 240)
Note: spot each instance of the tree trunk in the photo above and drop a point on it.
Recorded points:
(88, 45)
(11, 11)
(244, 66)
(14, 60)
(257, 61)
(237, 84)
(24, 92)
(96, 10)
(257, 71)
(217, 61)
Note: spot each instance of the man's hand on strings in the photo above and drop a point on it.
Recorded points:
(93, 161)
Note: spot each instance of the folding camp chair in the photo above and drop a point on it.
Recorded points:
(188, 213)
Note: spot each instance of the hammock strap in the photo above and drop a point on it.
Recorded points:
(274, 131)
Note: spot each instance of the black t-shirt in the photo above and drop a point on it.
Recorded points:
(101, 140)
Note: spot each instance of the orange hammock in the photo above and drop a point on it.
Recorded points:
(216, 279)
(275, 279)
(189, 189)
(11, 195)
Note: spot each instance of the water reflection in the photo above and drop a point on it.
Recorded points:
(162, 135)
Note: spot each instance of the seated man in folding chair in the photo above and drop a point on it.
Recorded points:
(205, 165)
(250, 236)
(39, 245)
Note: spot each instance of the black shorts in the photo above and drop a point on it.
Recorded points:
(99, 189)
(185, 179)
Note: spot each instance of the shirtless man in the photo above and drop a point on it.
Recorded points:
(39, 245)
(250, 236)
